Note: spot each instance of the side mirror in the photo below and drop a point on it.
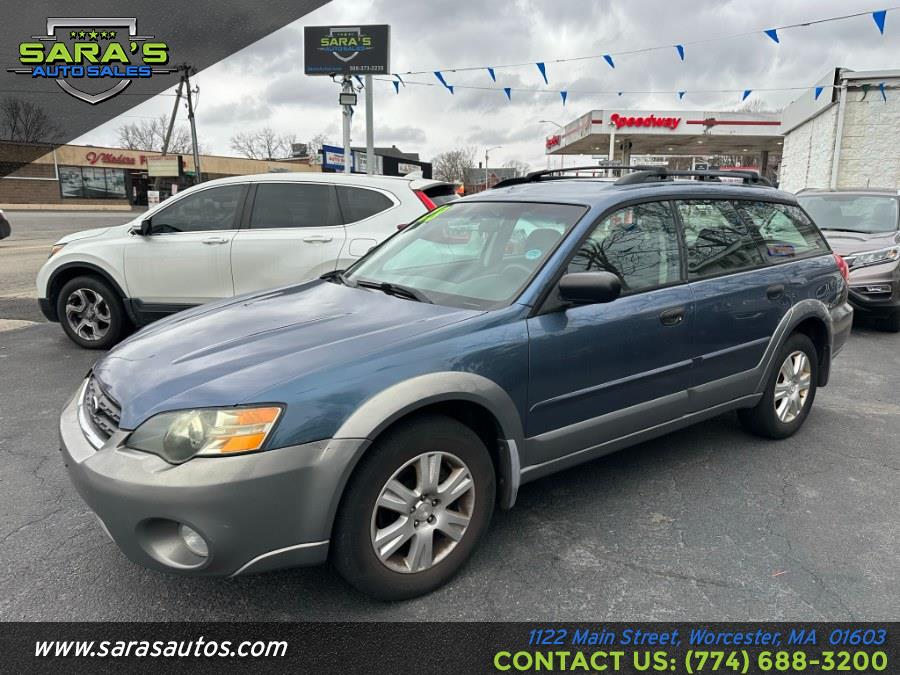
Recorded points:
(587, 288)
(146, 228)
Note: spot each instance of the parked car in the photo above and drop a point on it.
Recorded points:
(378, 415)
(5, 228)
(864, 227)
(222, 238)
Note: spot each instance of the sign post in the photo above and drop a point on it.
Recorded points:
(347, 51)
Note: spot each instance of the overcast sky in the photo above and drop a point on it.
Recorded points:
(264, 84)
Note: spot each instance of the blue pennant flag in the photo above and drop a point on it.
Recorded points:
(450, 87)
(359, 79)
(399, 79)
(543, 69)
(440, 78)
(772, 33)
(608, 59)
(491, 73)
(747, 92)
(620, 93)
(563, 95)
(680, 50)
(396, 86)
(879, 18)
(508, 92)
(818, 92)
(681, 94)
(881, 89)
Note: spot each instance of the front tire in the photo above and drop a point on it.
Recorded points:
(789, 393)
(414, 509)
(91, 313)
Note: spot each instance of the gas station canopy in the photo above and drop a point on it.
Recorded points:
(668, 132)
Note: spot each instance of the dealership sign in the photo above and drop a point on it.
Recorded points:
(92, 59)
(553, 141)
(353, 50)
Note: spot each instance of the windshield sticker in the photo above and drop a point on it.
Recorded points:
(533, 254)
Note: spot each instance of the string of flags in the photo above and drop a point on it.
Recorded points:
(879, 18)
(564, 93)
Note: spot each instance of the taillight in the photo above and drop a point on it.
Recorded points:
(842, 266)
(426, 200)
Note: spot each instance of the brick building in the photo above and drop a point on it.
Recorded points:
(848, 136)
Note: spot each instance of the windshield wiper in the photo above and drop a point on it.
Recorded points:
(395, 289)
(843, 229)
(335, 276)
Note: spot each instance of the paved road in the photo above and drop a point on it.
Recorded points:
(705, 524)
(23, 253)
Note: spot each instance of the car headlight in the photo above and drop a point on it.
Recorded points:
(56, 248)
(209, 432)
(867, 258)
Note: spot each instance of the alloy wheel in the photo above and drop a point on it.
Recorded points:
(422, 512)
(792, 386)
(88, 314)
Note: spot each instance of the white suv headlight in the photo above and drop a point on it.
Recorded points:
(867, 258)
(211, 432)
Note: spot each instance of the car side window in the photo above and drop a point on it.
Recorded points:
(359, 203)
(284, 205)
(716, 239)
(785, 230)
(639, 244)
(211, 209)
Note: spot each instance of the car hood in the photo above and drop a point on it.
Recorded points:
(83, 234)
(223, 354)
(846, 243)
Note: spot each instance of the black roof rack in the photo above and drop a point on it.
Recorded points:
(710, 175)
(548, 174)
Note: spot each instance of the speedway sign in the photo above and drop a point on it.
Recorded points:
(352, 50)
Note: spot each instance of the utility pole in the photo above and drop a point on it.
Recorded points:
(165, 146)
(370, 129)
(186, 79)
(347, 89)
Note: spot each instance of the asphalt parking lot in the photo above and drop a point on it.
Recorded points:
(704, 524)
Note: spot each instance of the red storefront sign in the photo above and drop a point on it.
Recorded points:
(110, 158)
(645, 121)
(553, 141)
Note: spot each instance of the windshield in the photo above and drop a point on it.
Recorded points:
(869, 214)
(469, 254)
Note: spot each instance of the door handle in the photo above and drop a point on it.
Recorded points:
(775, 291)
(215, 240)
(672, 317)
(318, 238)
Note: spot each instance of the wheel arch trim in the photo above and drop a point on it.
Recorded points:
(88, 268)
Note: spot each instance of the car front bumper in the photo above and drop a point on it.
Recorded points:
(866, 294)
(256, 512)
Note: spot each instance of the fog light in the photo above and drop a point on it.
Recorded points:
(192, 539)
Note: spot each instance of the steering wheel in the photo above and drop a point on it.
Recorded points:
(519, 266)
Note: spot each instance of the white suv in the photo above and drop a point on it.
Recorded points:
(222, 238)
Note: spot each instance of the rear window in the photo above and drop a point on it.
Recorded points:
(785, 231)
(441, 194)
(716, 238)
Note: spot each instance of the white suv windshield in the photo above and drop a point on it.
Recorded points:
(469, 254)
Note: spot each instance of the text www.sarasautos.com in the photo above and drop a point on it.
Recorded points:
(160, 648)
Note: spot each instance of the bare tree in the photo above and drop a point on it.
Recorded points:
(451, 166)
(520, 167)
(314, 146)
(263, 143)
(150, 135)
(23, 121)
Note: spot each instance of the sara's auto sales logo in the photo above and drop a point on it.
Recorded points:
(92, 59)
(646, 121)
(346, 44)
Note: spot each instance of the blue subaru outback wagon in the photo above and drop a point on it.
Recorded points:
(377, 416)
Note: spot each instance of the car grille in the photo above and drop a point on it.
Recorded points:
(100, 413)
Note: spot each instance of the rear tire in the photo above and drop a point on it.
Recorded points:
(437, 480)
(91, 313)
(789, 393)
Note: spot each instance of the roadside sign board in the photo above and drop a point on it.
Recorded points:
(352, 50)
(165, 167)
